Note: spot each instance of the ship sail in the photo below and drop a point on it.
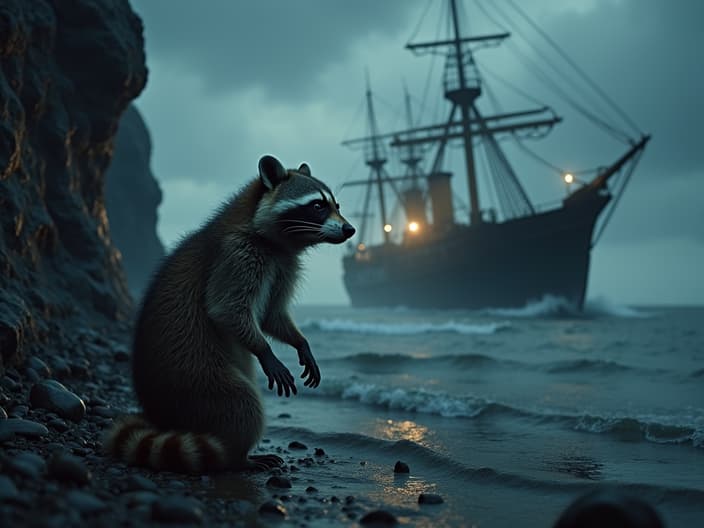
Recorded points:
(442, 262)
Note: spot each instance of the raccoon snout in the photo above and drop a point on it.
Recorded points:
(348, 230)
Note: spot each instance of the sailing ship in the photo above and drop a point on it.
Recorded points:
(504, 255)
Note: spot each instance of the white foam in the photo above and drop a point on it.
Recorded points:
(603, 306)
(365, 327)
(417, 400)
(551, 305)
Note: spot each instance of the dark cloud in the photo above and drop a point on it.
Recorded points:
(275, 45)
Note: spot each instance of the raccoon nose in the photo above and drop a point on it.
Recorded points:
(348, 230)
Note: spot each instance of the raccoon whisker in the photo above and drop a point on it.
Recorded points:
(298, 222)
(300, 229)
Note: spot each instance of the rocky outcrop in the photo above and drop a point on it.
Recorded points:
(132, 197)
(67, 72)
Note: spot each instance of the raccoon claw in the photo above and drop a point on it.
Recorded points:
(278, 375)
(310, 367)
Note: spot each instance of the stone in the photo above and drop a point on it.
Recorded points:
(86, 503)
(3, 414)
(401, 467)
(8, 383)
(53, 396)
(26, 464)
(104, 412)
(68, 468)
(39, 366)
(121, 354)
(140, 498)
(297, 445)
(140, 483)
(273, 508)
(430, 498)
(278, 482)
(8, 490)
(177, 509)
(61, 368)
(21, 427)
(284, 415)
(319, 452)
(58, 425)
(311, 489)
(379, 518)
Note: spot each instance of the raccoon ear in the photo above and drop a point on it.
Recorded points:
(271, 171)
(304, 169)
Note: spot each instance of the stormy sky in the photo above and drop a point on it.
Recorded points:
(231, 81)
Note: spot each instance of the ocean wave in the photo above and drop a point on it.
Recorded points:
(555, 306)
(657, 429)
(372, 328)
(586, 365)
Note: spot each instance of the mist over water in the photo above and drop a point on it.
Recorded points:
(538, 396)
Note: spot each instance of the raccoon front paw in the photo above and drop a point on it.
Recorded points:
(277, 373)
(310, 367)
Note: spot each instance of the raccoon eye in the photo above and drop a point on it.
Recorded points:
(318, 205)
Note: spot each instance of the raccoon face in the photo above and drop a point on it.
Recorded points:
(297, 210)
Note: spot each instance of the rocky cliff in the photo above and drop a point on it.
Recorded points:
(67, 72)
(132, 197)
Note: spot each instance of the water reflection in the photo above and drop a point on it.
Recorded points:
(401, 430)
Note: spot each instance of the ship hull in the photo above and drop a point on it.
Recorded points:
(488, 265)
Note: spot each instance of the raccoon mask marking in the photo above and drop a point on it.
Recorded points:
(298, 210)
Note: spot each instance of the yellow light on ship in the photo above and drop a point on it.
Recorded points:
(413, 227)
(568, 178)
(361, 247)
(388, 228)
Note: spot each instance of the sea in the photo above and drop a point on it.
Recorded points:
(508, 414)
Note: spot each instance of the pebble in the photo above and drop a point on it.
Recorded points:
(104, 412)
(121, 353)
(284, 415)
(273, 508)
(85, 502)
(379, 518)
(68, 468)
(278, 482)
(3, 414)
(53, 396)
(430, 498)
(139, 483)
(61, 368)
(297, 445)
(21, 427)
(58, 424)
(19, 411)
(8, 490)
(140, 498)
(311, 489)
(39, 366)
(177, 509)
(401, 467)
(27, 464)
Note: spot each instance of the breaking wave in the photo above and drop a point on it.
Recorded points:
(371, 328)
(554, 306)
(649, 428)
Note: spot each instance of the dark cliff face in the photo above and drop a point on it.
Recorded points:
(132, 196)
(67, 72)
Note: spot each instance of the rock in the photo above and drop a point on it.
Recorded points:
(58, 424)
(138, 482)
(8, 383)
(311, 489)
(8, 490)
(273, 508)
(56, 257)
(18, 426)
(177, 509)
(53, 396)
(105, 412)
(278, 482)
(319, 452)
(39, 366)
(68, 468)
(401, 467)
(61, 368)
(284, 415)
(3, 414)
(378, 518)
(297, 445)
(140, 498)
(121, 354)
(430, 498)
(19, 411)
(85, 503)
(26, 464)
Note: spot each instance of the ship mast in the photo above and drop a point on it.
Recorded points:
(374, 159)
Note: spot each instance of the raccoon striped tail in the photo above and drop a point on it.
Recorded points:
(138, 443)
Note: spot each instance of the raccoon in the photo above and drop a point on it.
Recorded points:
(203, 319)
